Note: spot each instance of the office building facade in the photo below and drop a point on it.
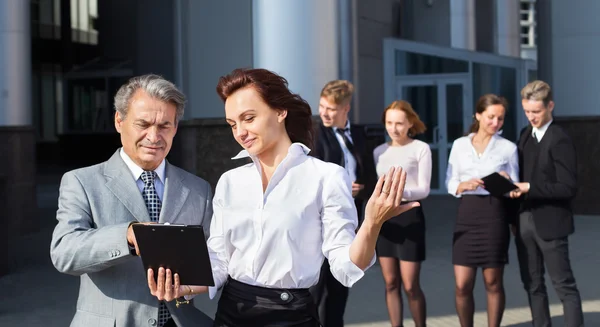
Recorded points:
(61, 61)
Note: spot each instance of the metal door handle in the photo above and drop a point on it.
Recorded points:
(436, 134)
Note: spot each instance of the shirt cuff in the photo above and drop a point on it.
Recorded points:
(453, 189)
(346, 272)
(212, 292)
(219, 282)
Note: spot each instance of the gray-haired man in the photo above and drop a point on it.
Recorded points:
(94, 239)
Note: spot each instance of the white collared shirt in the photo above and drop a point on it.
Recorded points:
(279, 239)
(136, 171)
(539, 132)
(465, 164)
(349, 160)
(414, 158)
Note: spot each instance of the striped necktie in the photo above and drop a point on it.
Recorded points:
(154, 205)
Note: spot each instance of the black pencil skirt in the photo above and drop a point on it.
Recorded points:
(403, 236)
(481, 235)
(243, 305)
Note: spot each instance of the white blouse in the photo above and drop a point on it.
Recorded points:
(464, 163)
(279, 239)
(415, 159)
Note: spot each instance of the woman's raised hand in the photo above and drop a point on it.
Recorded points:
(386, 200)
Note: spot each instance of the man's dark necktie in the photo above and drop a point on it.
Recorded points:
(154, 205)
(536, 138)
(350, 146)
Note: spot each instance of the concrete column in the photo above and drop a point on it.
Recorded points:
(299, 41)
(15, 63)
(462, 24)
(568, 52)
(545, 26)
(17, 148)
(508, 34)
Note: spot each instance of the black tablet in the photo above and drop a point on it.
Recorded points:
(498, 185)
(180, 248)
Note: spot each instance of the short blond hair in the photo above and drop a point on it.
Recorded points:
(537, 91)
(338, 91)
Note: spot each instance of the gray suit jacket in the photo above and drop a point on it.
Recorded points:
(95, 207)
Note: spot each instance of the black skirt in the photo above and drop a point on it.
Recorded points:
(481, 235)
(403, 237)
(244, 305)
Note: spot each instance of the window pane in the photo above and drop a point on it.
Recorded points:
(410, 63)
(454, 111)
(424, 101)
(500, 81)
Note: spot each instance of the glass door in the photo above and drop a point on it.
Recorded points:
(442, 105)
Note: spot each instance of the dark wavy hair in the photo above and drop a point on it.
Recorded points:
(482, 104)
(273, 89)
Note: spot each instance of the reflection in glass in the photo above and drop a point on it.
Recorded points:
(500, 81)
(454, 110)
(424, 100)
(410, 63)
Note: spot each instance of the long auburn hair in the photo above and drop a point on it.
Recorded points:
(418, 125)
(274, 91)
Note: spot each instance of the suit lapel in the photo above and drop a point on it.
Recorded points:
(176, 192)
(335, 149)
(532, 156)
(544, 145)
(121, 183)
(357, 140)
(525, 136)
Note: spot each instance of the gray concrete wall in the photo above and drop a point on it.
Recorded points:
(375, 21)
(431, 23)
(155, 38)
(218, 38)
(568, 55)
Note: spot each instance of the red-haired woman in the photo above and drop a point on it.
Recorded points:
(401, 243)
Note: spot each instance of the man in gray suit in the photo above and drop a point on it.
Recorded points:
(97, 206)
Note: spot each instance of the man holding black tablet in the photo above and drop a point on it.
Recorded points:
(548, 184)
(97, 206)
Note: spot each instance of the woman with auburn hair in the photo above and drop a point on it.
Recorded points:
(278, 217)
(401, 242)
(481, 234)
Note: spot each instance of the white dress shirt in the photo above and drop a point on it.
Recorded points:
(539, 132)
(279, 238)
(349, 160)
(465, 164)
(159, 183)
(415, 159)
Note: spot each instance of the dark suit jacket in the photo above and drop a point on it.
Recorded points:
(553, 182)
(327, 148)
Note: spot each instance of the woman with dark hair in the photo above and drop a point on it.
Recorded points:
(481, 235)
(401, 242)
(277, 218)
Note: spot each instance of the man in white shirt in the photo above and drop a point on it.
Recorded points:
(97, 206)
(344, 144)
